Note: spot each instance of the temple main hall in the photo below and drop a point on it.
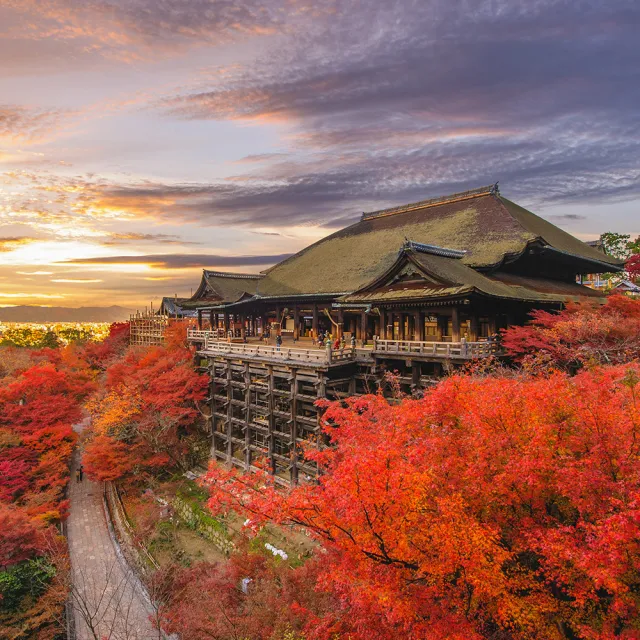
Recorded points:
(416, 290)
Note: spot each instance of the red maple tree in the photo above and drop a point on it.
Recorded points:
(494, 507)
(633, 267)
(146, 413)
(580, 334)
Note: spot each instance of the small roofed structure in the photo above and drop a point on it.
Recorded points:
(628, 287)
(175, 308)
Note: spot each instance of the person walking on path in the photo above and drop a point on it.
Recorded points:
(81, 472)
(78, 477)
(278, 342)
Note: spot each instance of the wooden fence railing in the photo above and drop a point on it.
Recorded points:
(317, 356)
(462, 349)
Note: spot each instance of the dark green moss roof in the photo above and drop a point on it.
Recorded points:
(487, 227)
(438, 276)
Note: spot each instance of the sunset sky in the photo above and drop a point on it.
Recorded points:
(141, 140)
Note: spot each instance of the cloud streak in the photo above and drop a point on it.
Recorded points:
(183, 261)
(22, 124)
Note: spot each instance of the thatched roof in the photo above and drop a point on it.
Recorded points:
(221, 287)
(423, 272)
(488, 228)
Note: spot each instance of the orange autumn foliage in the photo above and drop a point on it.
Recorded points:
(145, 414)
(492, 508)
(581, 334)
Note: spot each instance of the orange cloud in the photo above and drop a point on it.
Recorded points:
(11, 244)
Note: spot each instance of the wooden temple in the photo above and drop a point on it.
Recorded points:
(415, 290)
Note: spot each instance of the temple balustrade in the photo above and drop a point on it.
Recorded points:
(461, 350)
(315, 356)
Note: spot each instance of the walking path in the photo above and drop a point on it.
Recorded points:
(107, 598)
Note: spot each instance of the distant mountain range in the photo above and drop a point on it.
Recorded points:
(26, 313)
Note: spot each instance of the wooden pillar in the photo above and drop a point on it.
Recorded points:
(247, 416)
(474, 327)
(440, 320)
(200, 319)
(294, 427)
(382, 334)
(415, 375)
(229, 412)
(211, 320)
(296, 322)
(455, 325)
(363, 327)
(226, 323)
(401, 335)
(419, 326)
(278, 316)
(314, 321)
(271, 416)
(340, 323)
(243, 328)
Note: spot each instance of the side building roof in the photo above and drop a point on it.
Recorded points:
(221, 287)
(488, 228)
(176, 307)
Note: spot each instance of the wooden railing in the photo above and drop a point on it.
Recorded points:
(317, 356)
(462, 349)
(199, 335)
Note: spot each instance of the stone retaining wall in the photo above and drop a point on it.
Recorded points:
(203, 524)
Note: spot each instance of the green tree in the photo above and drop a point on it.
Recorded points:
(617, 244)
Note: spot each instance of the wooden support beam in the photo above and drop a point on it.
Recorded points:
(440, 325)
(363, 328)
(296, 322)
(200, 319)
(474, 328)
(229, 413)
(247, 415)
(314, 321)
(455, 325)
(294, 427)
(271, 418)
(415, 374)
(419, 326)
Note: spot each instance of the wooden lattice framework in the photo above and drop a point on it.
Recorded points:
(147, 328)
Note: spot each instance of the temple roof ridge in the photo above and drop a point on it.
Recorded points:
(433, 202)
(227, 274)
(433, 249)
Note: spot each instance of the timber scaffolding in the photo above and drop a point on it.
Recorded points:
(148, 328)
(263, 396)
